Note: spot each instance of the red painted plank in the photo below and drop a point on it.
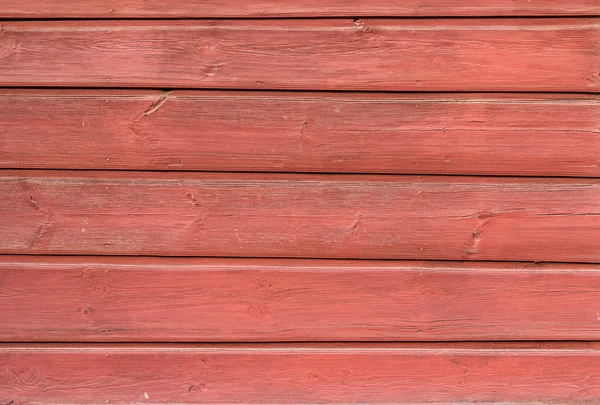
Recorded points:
(288, 8)
(298, 374)
(160, 299)
(286, 215)
(413, 55)
(496, 134)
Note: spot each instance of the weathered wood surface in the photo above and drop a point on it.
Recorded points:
(410, 55)
(292, 374)
(289, 8)
(494, 134)
(85, 320)
(308, 216)
(170, 299)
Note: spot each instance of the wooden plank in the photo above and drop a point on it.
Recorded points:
(298, 374)
(286, 215)
(408, 55)
(544, 135)
(218, 300)
(288, 8)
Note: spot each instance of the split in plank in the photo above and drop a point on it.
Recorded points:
(302, 216)
(111, 299)
(292, 374)
(408, 55)
(493, 134)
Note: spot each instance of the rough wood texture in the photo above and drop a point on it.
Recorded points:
(85, 318)
(414, 55)
(159, 299)
(286, 215)
(289, 8)
(548, 135)
(298, 374)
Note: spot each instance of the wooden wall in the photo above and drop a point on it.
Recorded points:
(299, 201)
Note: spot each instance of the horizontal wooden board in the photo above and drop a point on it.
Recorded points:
(411, 55)
(287, 215)
(289, 8)
(219, 300)
(496, 134)
(298, 374)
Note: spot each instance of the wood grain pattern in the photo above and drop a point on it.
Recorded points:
(286, 215)
(289, 8)
(298, 374)
(409, 55)
(547, 135)
(219, 300)
(129, 276)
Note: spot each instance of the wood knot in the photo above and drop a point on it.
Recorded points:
(87, 272)
(26, 375)
(263, 285)
(255, 310)
(85, 310)
(210, 45)
(361, 26)
(315, 377)
(99, 289)
(7, 47)
(375, 41)
(431, 292)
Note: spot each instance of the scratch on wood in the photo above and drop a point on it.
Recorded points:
(34, 202)
(477, 232)
(476, 238)
(155, 106)
(41, 231)
(198, 221)
(193, 199)
(304, 139)
(303, 125)
(211, 70)
(355, 225)
(47, 222)
(37, 205)
(492, 213)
